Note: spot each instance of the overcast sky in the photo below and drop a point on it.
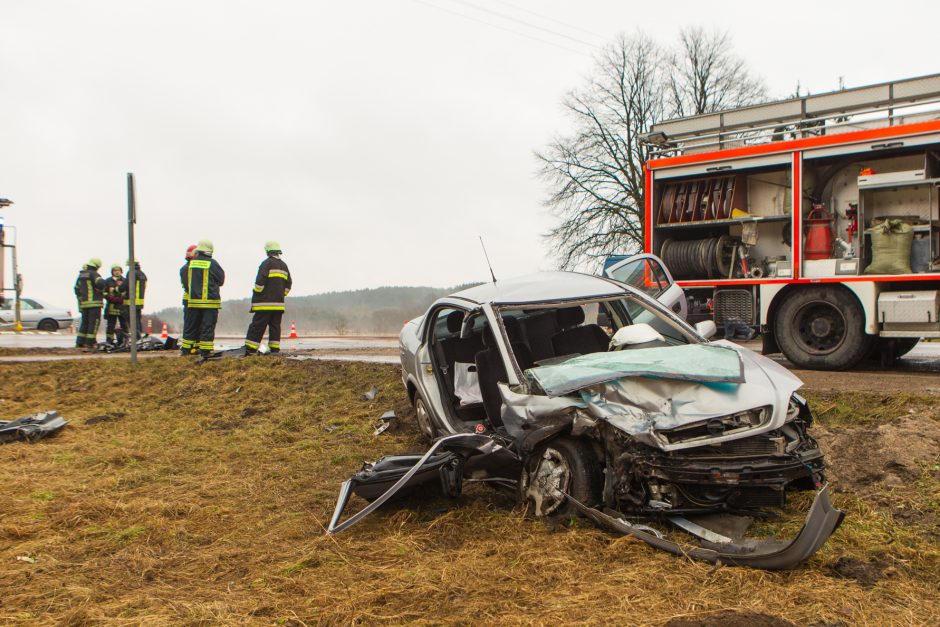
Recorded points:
(375, 139)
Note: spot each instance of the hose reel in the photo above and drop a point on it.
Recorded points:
(708, 258)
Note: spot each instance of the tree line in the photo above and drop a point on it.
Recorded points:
(380, 311)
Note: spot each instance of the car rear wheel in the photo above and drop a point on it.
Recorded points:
(48, 324)
(423, 418)
(822, 328)
(560, 467)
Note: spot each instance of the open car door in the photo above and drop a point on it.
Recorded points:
(648, 274)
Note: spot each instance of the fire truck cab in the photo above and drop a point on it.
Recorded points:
(813, 220)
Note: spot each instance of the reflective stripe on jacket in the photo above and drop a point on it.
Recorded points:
(272, 285)
(140, 288)
(89, 288)
(201, 278)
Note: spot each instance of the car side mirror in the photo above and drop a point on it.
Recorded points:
(706, 328)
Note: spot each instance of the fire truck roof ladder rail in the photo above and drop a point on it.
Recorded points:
(869, 106)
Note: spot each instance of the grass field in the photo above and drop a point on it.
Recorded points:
(184, 494)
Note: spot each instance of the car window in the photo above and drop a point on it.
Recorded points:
(645, 275)
(639, 313)
(440, 329)
(29, 303)
(7, 304)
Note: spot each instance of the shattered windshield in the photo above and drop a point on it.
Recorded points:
(560, 346)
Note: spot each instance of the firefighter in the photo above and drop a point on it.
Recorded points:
(140, 287)
(202, 277)
(186, 344)
(114, 288)
(89, 289)
(267, 302)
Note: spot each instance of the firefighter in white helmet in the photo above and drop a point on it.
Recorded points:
(272, 285)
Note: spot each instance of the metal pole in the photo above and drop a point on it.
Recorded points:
(132, 270)
(17, 289)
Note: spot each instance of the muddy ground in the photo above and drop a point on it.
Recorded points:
(199, 495)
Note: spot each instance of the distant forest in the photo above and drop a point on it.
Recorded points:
(379, 311)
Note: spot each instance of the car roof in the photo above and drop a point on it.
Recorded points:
(541, 287)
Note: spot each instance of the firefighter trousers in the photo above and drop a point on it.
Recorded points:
(270, 320)
(199, 330)
(113, 321)
(88, 328)
(126, 314)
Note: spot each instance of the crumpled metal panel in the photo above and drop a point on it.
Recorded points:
(688, 362)
(31, 428)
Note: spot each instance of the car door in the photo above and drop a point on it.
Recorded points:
(6, 312)
(30, 312)
(648, 274)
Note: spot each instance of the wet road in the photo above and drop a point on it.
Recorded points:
(924, 358)
(67, 340)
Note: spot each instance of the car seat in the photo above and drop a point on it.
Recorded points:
(575, 338)
(491, 370)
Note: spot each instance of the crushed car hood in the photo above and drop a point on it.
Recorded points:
(688, 362)
(642, 406)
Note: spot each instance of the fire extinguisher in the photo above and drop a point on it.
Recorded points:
(819, 236)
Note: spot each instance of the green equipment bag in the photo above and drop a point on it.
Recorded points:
(890, 248)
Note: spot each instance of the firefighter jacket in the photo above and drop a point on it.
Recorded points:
(114, 295)
(185, 289)
(271, 285)
(89, 288)
(202, 277)
(140, 288)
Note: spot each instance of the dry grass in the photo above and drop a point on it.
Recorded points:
(205, 503)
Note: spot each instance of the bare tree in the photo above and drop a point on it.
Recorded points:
(706, 76)
(596, 173)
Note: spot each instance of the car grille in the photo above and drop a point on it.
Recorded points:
(758, 446)
(718, 426)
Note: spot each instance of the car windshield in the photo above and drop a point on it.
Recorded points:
(542, 334)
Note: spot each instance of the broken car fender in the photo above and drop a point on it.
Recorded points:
(823, 519)
(467, 445)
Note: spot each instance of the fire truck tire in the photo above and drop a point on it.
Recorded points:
(822, 328)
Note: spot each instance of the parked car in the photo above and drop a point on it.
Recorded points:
(35, 314)
(588, 396)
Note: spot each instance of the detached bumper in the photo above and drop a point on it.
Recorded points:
(823, 519)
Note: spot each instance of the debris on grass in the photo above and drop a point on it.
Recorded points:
(31, 428)
(206, 528)
(385, 421)
(369, 394)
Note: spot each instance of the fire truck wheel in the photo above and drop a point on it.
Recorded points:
(822, 328)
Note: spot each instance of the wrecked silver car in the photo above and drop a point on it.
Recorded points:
(587, 396)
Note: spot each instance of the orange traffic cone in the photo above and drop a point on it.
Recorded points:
(163, 333)
(293, 331)
(149, 326)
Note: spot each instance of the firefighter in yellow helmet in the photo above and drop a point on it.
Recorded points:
(202, 277)
(89, 290)
(114, 292)
(267, 300)
(137, 300)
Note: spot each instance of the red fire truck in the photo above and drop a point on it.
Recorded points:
(812, 220)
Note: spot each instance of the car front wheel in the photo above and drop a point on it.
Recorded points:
(423, 418)
(561, 467)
